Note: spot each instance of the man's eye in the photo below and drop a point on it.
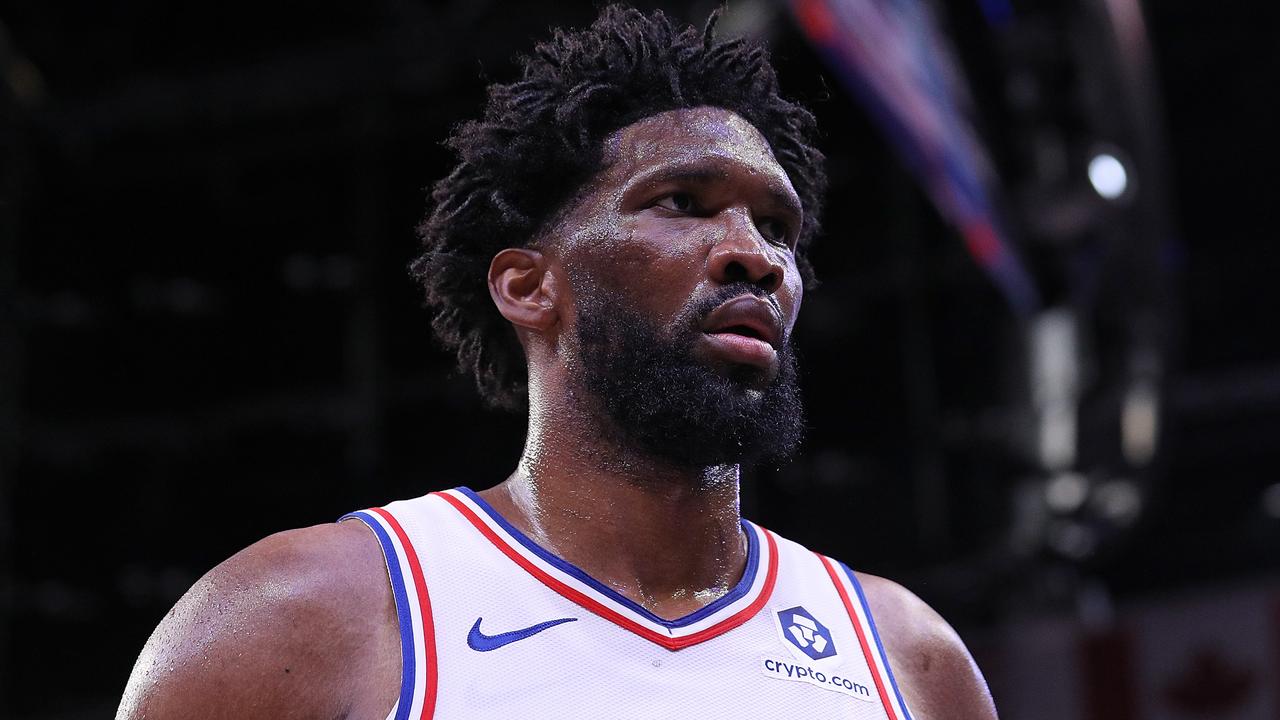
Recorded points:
(679, 202)
(774, 230)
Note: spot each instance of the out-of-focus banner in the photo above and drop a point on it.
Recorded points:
(892, 59)
(1202, 657)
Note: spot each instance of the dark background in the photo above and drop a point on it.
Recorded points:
(207, 332)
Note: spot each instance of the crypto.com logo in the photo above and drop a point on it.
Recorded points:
(805, 632)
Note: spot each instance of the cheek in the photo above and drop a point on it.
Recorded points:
(672, 239)
(678, 247)
(791, 295)
(657, 258)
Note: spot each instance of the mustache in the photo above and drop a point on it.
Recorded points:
(704, 306)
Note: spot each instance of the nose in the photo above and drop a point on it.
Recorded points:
(742, 255)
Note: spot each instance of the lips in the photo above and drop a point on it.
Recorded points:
(746, 329)
(746, 315)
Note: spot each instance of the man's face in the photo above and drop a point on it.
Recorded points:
(680, 260)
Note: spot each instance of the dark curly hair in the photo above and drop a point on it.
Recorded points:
(541, 138)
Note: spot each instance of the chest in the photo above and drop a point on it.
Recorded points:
(539, 656)
(493, 626)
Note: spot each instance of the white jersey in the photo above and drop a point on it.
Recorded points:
(494, 626)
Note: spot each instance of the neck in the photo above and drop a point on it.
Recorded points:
(667, 537)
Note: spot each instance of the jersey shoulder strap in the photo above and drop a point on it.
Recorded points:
(418, 679)
(859, 611)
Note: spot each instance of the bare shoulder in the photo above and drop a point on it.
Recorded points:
(300, 624)
(934, 669)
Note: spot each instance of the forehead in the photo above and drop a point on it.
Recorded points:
(690, 135)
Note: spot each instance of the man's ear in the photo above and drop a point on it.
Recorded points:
(522, 289)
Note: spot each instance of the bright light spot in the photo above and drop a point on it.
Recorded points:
(1055, 368)
(1057, 435)
(1139, 423)
(1108, 176)
(1066, 492)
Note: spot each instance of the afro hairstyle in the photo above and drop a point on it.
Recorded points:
(541, 139)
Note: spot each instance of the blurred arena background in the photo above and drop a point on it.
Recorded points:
(1042, 368)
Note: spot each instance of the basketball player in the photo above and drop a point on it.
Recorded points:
(620, 250)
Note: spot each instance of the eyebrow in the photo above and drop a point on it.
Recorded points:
(709, 171)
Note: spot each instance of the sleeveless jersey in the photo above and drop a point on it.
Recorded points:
(494, 626)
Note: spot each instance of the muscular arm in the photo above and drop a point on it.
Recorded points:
(299, 625)
(936, 673)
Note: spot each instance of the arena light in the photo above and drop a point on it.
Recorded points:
(1108, 176)
(1140, 423)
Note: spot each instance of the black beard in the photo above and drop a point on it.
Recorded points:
(662, 400)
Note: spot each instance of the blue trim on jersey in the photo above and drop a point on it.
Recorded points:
(408, 658)
(857, 586)
(743, 586)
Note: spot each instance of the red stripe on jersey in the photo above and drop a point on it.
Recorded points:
(862, 637)
(424, 602)
(598, 608)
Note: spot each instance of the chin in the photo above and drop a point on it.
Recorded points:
(753, 380)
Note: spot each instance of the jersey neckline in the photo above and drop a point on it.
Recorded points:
(746, 598)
